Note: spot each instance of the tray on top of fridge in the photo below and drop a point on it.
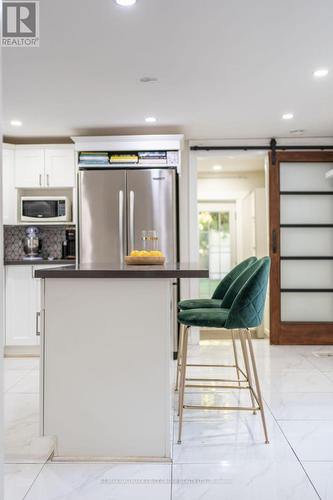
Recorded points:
(124, 158)
(94, 158)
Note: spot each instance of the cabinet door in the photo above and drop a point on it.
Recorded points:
(29, 168)
(59, 168)
(20, 306)
(9, 199)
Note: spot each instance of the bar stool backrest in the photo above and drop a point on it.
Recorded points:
(237, 285)
(248, 307)
(228, 280)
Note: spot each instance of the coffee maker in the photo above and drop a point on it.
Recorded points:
(32, 243)
(68, 245)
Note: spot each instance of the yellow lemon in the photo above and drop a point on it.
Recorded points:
(156, 253)
(135, 253)
(143, 253)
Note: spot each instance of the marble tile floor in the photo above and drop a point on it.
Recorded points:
(222, 455)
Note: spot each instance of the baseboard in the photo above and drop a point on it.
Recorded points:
(22, 351)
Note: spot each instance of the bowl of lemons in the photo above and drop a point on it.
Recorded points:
(145, 258)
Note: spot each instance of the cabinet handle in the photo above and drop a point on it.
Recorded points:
(274, 242)
(131, 218)
(37, 324)
(121, 225)
(47, 179)
(40, 179)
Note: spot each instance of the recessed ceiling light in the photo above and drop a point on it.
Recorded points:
(150, 119)
(16, 123)
(217, 167)
(320, 73)
(287, 116)
(125, 3)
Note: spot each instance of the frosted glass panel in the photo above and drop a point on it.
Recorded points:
(307, 274)
(296, 176)
(306, 209)
(307, 306)
(299, 241)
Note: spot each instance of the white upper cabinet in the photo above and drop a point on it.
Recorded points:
(59, 168)
(29, 168)
(44, 167)
(9, 205)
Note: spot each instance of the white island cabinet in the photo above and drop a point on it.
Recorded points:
(22, 307)
(107, 360)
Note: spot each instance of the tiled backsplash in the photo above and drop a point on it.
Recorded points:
(51, 236)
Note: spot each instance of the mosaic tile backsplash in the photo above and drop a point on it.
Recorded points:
(51, 236)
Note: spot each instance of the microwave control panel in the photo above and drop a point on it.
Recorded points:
(61, 208)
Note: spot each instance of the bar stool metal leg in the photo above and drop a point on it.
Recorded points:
(247, 367)
(256, 378)
(179, 357)
(234, 347)
(182, 383)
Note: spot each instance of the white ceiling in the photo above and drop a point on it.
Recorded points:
(225, 69)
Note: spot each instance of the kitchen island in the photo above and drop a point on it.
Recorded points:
(106, 368)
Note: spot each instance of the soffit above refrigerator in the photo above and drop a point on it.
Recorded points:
(129, 142)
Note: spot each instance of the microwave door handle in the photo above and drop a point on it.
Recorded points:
(121, 224)
(131, 217)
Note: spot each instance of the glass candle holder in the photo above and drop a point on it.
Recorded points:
(149, 240)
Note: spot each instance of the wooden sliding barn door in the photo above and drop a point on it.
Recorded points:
(301, 247)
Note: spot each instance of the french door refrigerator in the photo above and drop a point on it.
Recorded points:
(116, 204)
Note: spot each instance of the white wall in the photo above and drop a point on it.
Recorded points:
(229, 188)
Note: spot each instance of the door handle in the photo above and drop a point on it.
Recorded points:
(37, 324)
(132, 200)
(274, 241)
(47, 179)
(121, 224)
(40, 179)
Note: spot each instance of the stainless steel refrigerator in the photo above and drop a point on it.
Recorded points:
(116, 204)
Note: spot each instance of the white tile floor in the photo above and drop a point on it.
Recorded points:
(223, 455)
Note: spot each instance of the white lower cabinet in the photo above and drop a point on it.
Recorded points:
(22, 299)
(21, 306)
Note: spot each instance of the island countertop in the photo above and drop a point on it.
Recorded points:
(179, 270)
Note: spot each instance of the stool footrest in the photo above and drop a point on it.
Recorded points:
(210, 366)
(205, 386)
(226, 408)
(216, 380)
(219, 366)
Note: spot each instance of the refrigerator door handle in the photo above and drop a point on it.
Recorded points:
(121, 225)
(131, 217)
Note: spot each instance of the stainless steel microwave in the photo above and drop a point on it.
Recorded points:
(45, 209)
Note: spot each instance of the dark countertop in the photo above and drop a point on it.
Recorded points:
(40, 262)
(124, 271)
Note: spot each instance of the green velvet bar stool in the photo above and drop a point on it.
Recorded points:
(220, 290)
(242, 309)
(227, 290)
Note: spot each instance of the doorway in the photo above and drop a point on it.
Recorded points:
(231, 200)
(217, 243)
